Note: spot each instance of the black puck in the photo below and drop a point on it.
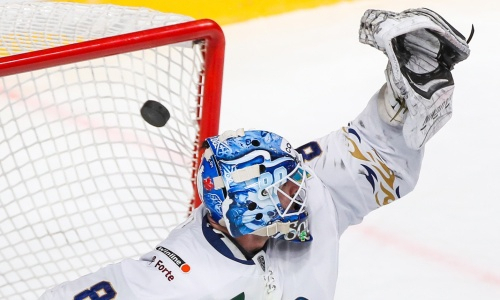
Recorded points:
(155, 113)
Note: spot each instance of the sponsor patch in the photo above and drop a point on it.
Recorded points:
(163, 269)
(175, 258)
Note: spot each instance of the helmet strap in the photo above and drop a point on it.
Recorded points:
(273, 229)
(247, 173)
(231, 133)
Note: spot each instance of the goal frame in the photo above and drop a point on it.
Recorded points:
(204, 30)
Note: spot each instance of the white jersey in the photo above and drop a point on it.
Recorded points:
(194, 262)
(357, 169)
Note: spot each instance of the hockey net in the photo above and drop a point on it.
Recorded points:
(84, 180)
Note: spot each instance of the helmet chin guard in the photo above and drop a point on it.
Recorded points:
(253, 182)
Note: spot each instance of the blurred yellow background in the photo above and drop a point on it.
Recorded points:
(221, 11)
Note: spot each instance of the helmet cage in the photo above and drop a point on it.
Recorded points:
(296, 182)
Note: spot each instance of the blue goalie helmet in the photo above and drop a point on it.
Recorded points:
(254, 182)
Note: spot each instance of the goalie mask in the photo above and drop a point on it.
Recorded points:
(253, 182)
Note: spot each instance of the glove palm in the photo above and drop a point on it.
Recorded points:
(422, 49)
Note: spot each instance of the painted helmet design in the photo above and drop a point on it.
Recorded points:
(254, 182)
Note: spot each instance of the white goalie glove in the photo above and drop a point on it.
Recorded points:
(422, 49)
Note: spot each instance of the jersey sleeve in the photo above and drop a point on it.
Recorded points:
(364, 165)
(158, 274)
(107, 283)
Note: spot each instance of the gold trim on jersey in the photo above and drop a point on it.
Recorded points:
(378, 174)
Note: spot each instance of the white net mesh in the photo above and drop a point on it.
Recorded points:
(84, 180)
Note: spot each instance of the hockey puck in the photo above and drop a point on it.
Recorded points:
(155, 113)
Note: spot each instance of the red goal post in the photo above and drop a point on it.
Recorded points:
(84, 180)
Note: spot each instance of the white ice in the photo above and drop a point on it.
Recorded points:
(304, 73)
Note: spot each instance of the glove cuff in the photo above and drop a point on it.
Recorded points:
(391, 110)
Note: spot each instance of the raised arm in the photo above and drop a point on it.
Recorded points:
(376, 159)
